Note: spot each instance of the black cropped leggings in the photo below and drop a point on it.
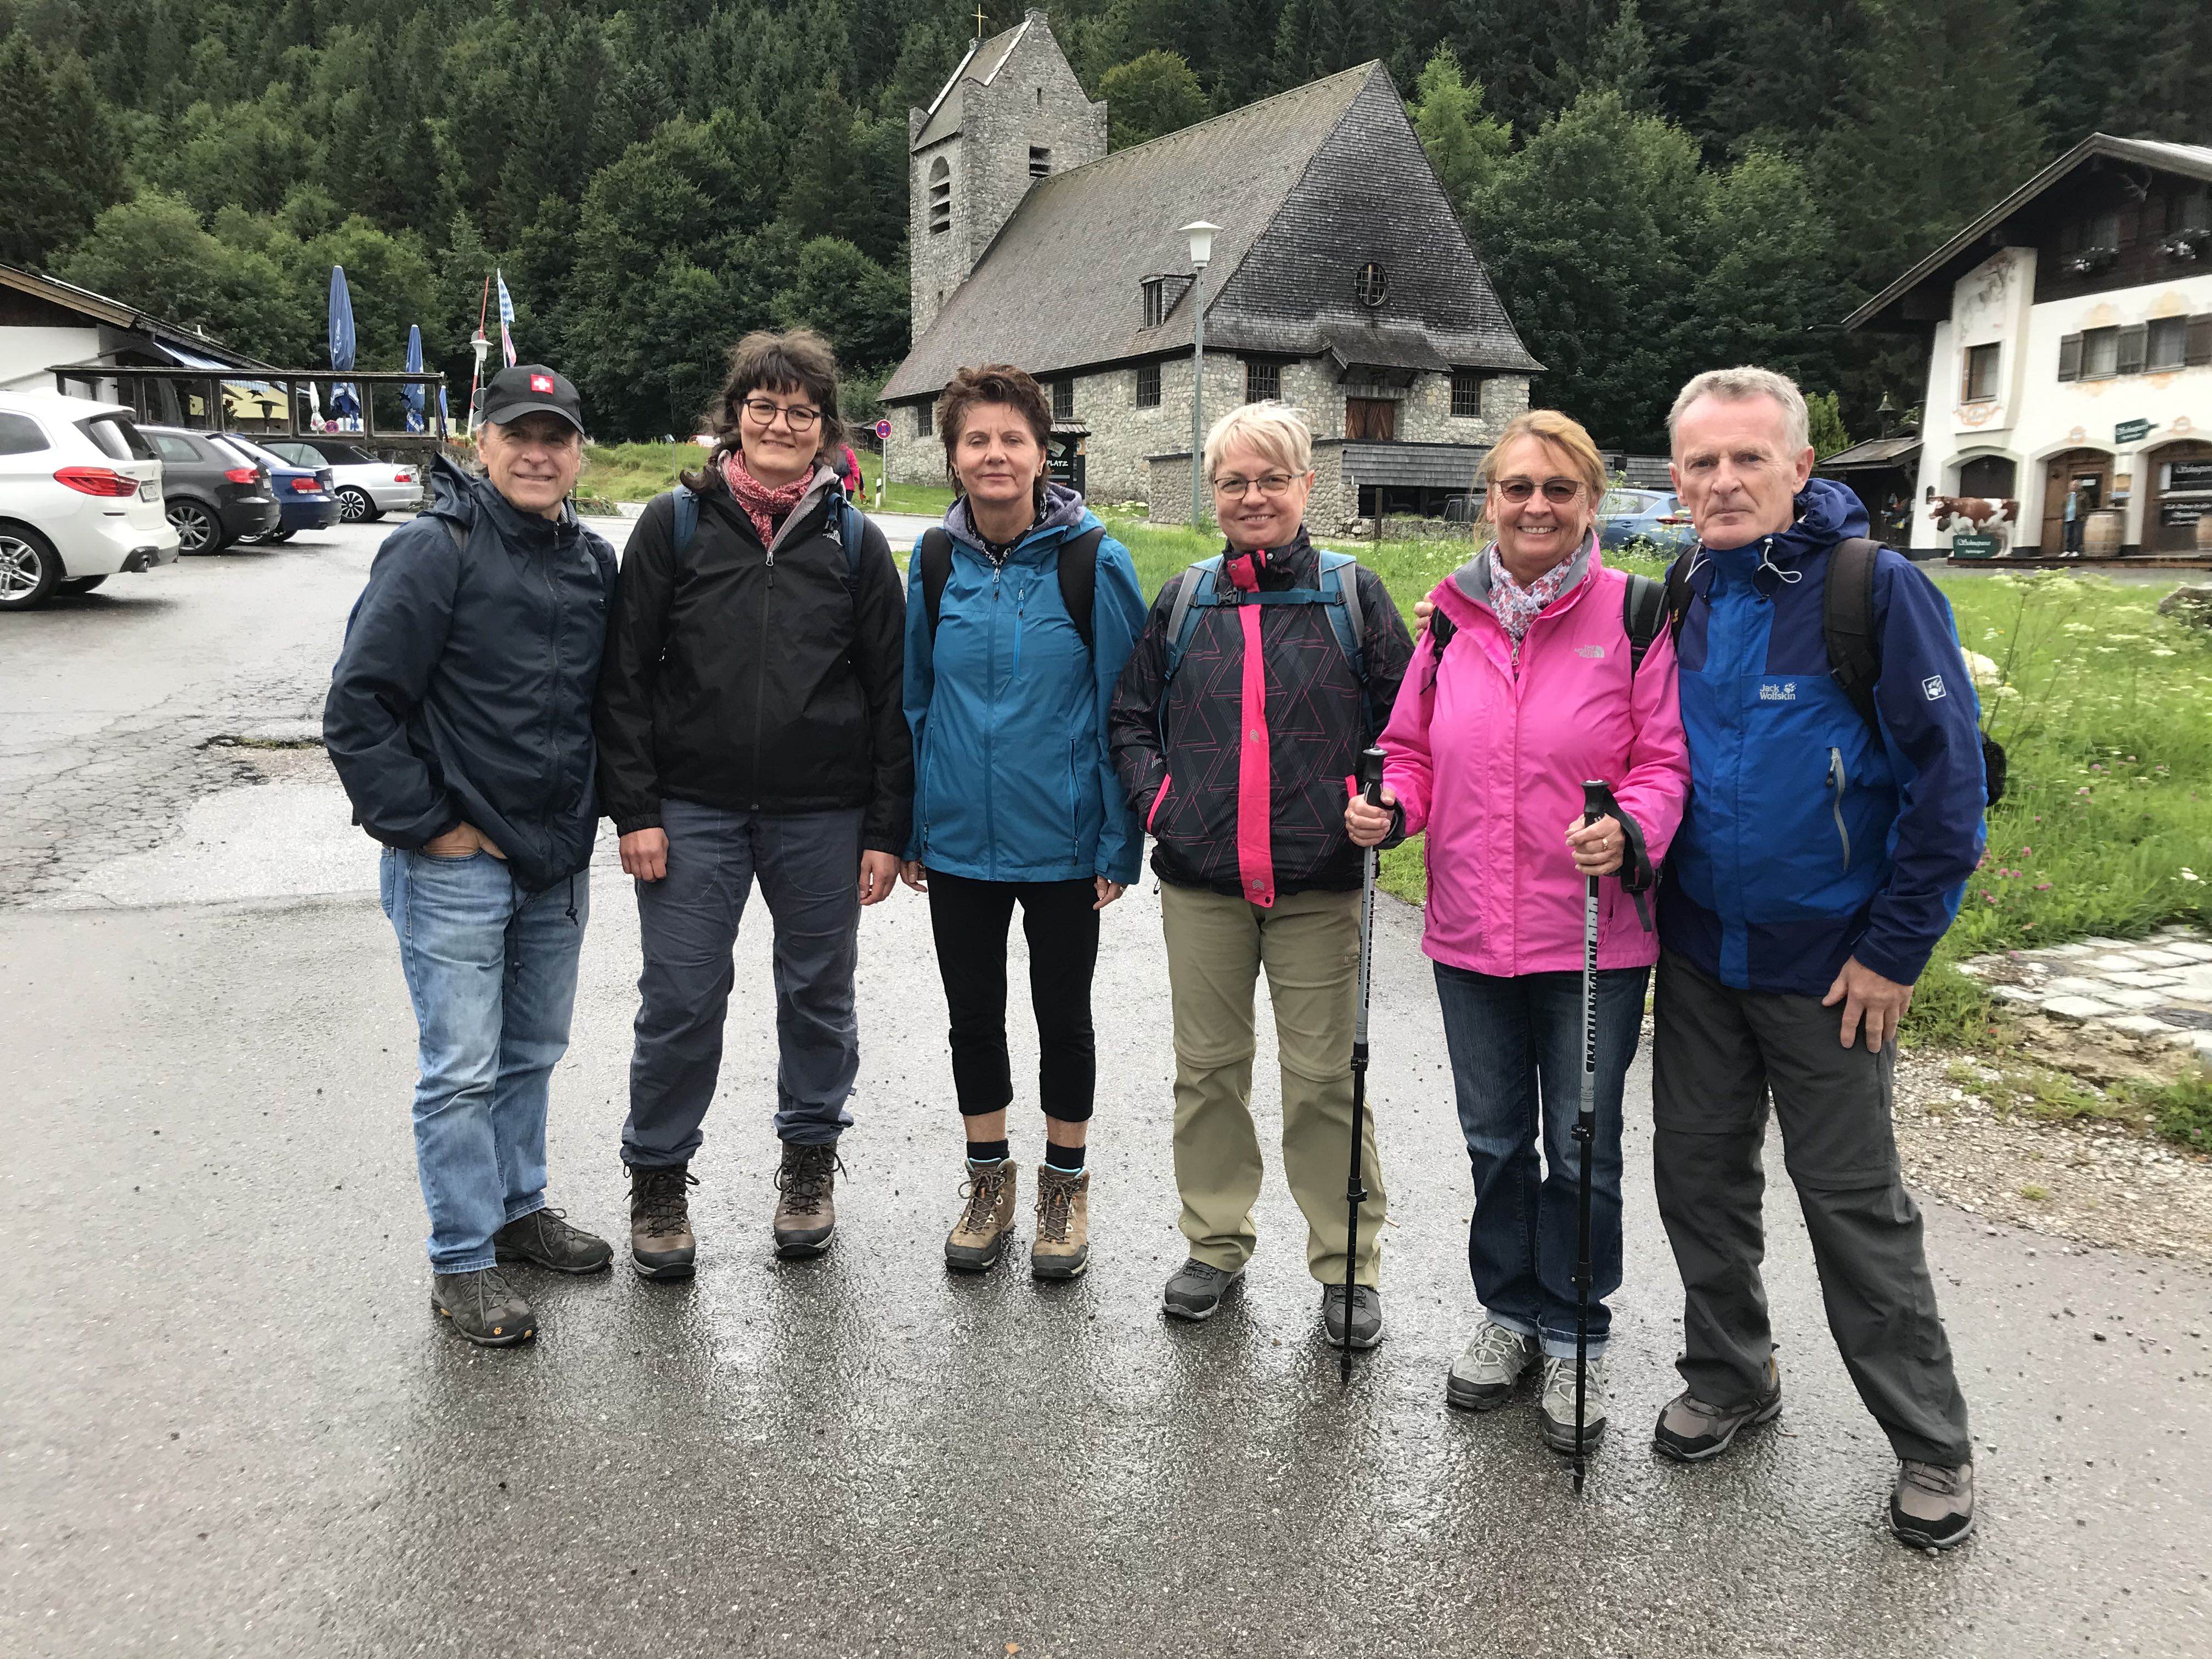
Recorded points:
(970, 920)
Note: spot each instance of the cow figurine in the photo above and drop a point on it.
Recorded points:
(1981, 515)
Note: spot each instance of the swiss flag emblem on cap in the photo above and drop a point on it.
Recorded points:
(541, 383)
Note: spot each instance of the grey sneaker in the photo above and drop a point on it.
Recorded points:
(1196, 1290)
(1556, 1409)
(1484, 1378)
(1690, 1431)
(1932, 1507)
(1366, 1315)
(544, 1238)
(483, 1307)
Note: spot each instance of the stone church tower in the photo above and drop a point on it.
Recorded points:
(1013, 112)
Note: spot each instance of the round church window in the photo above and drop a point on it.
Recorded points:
(1371, 286)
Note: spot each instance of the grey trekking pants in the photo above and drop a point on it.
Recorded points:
(1717, 1054)
(809, 868)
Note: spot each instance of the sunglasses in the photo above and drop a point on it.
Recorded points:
(1558, 491)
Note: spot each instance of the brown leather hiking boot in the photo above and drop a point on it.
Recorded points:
(1061, 1249)
(804, 1215)
(660, 1242)
(979, 1238)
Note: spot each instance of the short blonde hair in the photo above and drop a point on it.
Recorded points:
(1275, 429)
(1736, 386)
(1563, 436)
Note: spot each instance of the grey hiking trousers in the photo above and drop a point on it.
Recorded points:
(1717, 1055)
(808, 865)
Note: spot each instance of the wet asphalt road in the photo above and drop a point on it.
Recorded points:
(234, 1427)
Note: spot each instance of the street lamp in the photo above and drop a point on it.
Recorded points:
(482, 346)
(1201, 254)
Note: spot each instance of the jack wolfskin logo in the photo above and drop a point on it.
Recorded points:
(1932, 687)
(1590, 651)
(1785, 692)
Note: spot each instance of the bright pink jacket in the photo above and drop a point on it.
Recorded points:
(1491, 767)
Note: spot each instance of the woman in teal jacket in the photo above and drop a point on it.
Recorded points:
(1020, 613)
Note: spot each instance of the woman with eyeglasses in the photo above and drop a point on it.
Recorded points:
(1527, 681)
(1261, 675)
(749, 726)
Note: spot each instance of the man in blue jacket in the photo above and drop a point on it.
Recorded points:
(459, 720)
(1819, 861)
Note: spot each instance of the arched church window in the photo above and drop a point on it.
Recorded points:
(941, 196)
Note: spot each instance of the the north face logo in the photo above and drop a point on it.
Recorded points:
(541, 383)
(1590, 651)
(1932, 687)
(1785, 692)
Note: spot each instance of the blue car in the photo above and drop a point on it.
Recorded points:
(1655, 517)
(305, 497)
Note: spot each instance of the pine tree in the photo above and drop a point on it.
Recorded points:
(1150, 95)
(1465, 146)
(64, 162)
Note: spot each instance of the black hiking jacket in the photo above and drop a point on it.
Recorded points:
(463, 689)
(753, 678)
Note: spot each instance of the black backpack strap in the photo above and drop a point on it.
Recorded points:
(1079, 578)
(1847, 624)
(1677, 594)
(934, 552)
(1642, 607)
(1442, 631)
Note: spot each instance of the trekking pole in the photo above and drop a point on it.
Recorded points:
(1595, 797)
(1355, 1188)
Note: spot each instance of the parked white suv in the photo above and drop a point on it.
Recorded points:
(366, 488)
(79, 498)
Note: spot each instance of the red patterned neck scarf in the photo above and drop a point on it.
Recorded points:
(763, 506)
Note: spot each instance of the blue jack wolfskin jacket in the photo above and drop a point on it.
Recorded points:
(1808, 840)
(1012, 781)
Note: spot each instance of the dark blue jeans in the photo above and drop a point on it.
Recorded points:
(1515, 1043)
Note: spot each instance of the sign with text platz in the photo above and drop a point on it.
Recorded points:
(2131, 432)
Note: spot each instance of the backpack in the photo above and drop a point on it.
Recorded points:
(1847, 634)
(846, 528)
(1642, 607)
(1338, 591)
(1077, 557)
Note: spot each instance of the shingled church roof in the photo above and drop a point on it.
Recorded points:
(1308, 186)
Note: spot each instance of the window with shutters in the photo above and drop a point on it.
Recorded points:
(2100, 354)
(2128, 352)
(1263, 381)
(2069, 357)
(2196, 352)
(941, 196)
(2166, 344)
(1980, 381)
(1466, 394)
(1148, 385)
(1063, 400)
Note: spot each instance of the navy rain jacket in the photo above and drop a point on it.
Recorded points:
(464, 689)
(1808, 839)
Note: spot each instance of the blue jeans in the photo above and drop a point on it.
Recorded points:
(1515, 1043)
(492, 972)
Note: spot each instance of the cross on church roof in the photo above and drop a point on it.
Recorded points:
(979, 23)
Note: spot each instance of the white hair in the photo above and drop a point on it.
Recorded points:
(1735, 386)
(1278, 432)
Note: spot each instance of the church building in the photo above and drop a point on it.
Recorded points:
(1341, 280)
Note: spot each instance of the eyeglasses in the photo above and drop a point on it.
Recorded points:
(1558, 491)
(1274, 485)
(798, 417)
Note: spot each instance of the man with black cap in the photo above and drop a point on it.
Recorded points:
(460, 719)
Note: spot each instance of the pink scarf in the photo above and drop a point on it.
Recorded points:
(1516, 606)
(762, 506)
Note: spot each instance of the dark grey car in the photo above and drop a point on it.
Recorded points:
(212, 493)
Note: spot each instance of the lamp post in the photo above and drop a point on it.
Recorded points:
(482, 346)
(1201, 254)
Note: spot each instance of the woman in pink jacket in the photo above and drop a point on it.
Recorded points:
(1524, 686)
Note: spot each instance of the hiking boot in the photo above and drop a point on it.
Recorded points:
(1061, 1249)
(660, 1242)
(1932, 1507)
(1690, 1431)
(1196, 1290)
(979, 1238)
(1366, 1315)
(805, 1216)
(1484, 1378)
(483, 1307)
(545, 1237)
(1555, 1410)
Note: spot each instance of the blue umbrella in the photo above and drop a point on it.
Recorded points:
(413, 395)
(344, 403)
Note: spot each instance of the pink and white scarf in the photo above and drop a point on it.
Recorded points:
(763, 506)
(1516, 606)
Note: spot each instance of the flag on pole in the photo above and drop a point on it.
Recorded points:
(506, 320)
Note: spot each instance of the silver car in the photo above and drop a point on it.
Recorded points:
(366, 488)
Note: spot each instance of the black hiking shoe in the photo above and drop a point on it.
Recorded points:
(1690, 1430)
(483, 1307)
(1932, 1507)
(1196, 1290)
(1366, 1315)
(660, 1242)
(805, 1215)
(544, 1238)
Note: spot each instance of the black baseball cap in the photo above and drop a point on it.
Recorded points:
(530, 389)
